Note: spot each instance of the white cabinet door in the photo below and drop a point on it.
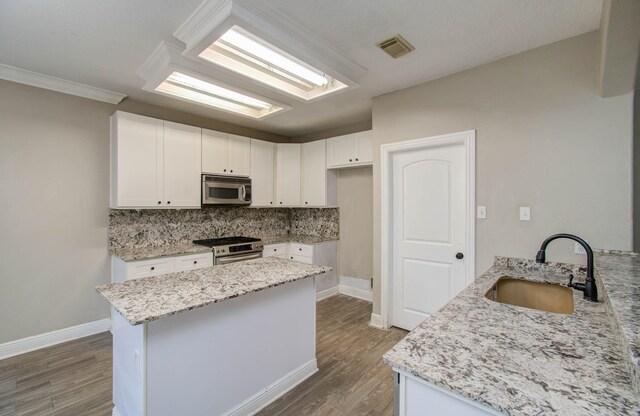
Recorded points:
(341, 150)
(239, 155)
(275, 250)
(314, 174)
(262, 173)
(182, 159)
(364, 147)
(136, 158)
(214, 152)
(288, 175)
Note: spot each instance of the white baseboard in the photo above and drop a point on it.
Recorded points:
(21, 346)
(357, 288)
(376, 321)
(267, 396)
(327, 293)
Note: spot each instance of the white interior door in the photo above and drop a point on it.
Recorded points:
(429, 228)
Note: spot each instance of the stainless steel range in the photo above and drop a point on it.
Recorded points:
(233, 249)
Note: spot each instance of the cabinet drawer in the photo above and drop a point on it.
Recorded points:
(300, 250)
(146, 268)
(192, 262)
(273, 250)
(301, 259)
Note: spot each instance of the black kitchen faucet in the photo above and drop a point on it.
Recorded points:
(589, 286)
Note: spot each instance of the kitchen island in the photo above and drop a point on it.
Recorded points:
(476, 356)
(218, 340)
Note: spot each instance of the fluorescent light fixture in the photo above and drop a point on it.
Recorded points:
(244, 53)
(269, 55)
(190, 88)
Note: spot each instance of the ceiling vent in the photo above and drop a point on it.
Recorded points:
(396, 46)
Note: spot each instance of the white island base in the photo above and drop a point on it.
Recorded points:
(228, 358)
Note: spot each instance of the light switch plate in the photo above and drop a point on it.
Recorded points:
(482, 212)
(525, 214)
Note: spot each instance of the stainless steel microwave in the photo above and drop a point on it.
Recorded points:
(226, 190)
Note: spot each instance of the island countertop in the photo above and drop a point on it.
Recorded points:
(520, 361)
(151, 298)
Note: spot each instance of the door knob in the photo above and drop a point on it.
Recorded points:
(459, 256)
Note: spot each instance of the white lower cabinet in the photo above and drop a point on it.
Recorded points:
(125, 270)
(275, 250)
(415, 397)
(322, 254)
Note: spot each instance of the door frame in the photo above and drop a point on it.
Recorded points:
(387, 151)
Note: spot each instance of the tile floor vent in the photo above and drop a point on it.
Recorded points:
(396, 46)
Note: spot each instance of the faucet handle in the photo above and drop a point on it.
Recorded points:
(571, 280)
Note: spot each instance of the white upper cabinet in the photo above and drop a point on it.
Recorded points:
(262, 173)
(239, 155)
(364, 147)
(225, 154)
(214, 152)
(182, 165)
(152, 164)
(288, 175)
(318, 186)
(350, 150)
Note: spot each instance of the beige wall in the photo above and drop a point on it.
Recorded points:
(636, 170)
(545, 139)
(54, 183)
(356, 222)
(333, 132)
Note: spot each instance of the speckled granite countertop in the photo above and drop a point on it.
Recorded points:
(150, 298)
(147, 253)
(521, 361)
(621, 279)
(295, 238)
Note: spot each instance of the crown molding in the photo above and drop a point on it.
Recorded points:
(35, 79)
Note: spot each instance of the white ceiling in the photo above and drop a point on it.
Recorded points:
(103, 42)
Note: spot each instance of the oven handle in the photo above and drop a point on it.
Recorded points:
(233, 259)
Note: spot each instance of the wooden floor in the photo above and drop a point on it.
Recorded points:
(75, 378)
(352, 379)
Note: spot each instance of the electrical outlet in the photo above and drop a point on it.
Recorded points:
(482, 212)
(578, 249)
(525, 214)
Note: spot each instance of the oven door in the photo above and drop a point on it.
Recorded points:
(233, 259)
(225, 191)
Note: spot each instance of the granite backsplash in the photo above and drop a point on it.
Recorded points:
(141, 228)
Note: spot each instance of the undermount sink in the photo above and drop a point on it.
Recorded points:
(545, 297)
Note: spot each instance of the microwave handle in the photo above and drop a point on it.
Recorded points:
(243, 188)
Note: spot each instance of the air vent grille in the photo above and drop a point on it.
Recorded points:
(396, 46)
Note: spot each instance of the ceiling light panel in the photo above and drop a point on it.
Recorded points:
(258, 45)
(244, 53)
(202, 92)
